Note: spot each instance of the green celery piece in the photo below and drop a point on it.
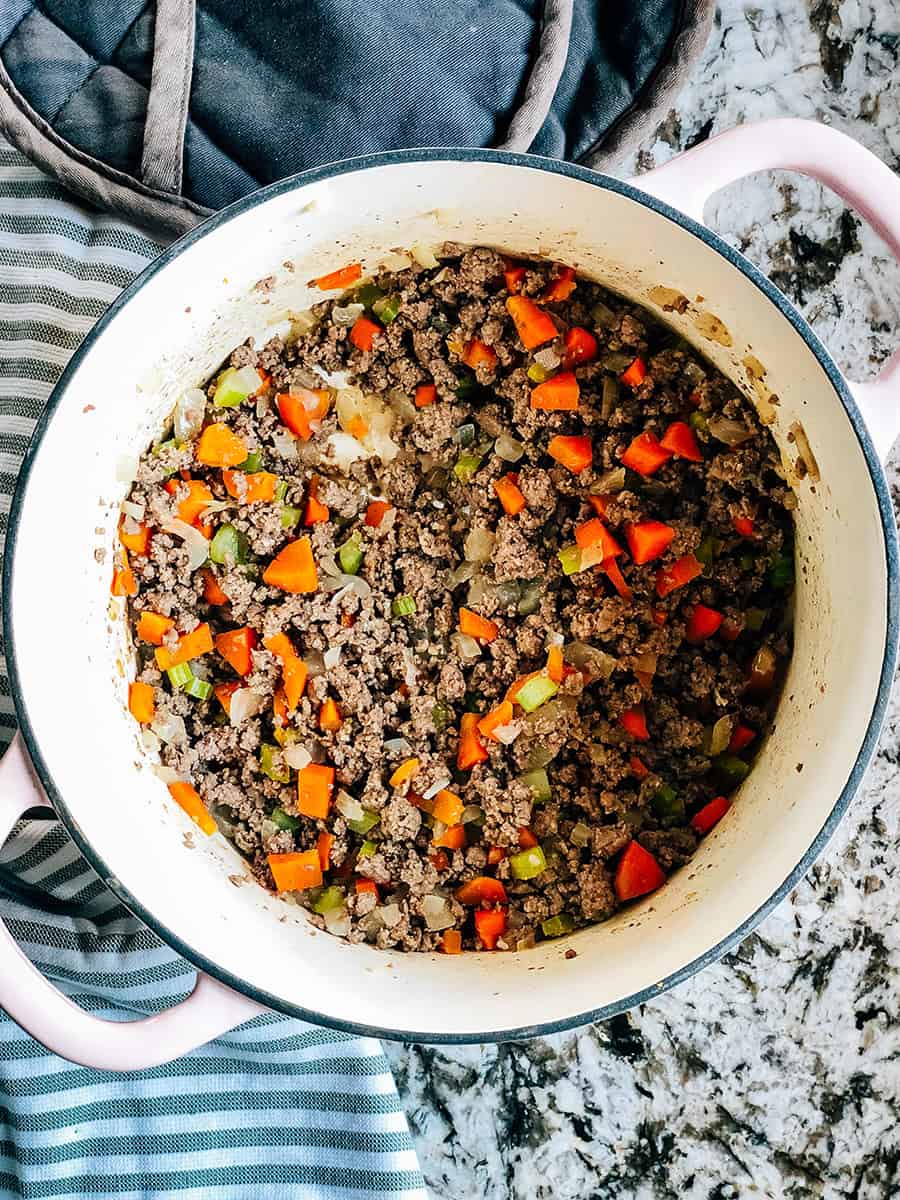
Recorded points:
(350, 555)
(754, 619)
(570, 558)
(556, 926)
(387, 308)
(328, 899)
(366, 822)
(539, 784)
(528, 864)
(440, 716)
(667, 804)
(368, 294)
(181, 675)
(366, 850)
(538, 374)
(532, 591)
(465, 467)
(403, 606)
(535, 692)
(290, 516)
(252, 463)
(227, 544)
(267, 764)
(708, 550)
(281, 490)
(781, 572)
(200, 689)
(732, 768)
(284, 820)
(697, 421)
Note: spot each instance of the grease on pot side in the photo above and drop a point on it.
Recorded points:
(462, 611)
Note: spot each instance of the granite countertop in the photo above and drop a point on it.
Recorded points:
(774, 1073)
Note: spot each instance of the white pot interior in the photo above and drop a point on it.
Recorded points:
(173, 332)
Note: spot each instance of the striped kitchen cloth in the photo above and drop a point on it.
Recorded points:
(277, 1108)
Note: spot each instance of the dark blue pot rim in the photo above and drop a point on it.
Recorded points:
(841, 389)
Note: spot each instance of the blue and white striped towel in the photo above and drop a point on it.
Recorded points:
(277, 1108)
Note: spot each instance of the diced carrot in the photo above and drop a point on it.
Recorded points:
(224, 692)
(426, 393)
(638, 770)
(593, 534)
(496, 854)
(470, 751)
(137, 543)
(298, 410)
(580, 345)
(495, 719)
(490, 925)
(316, 512)
(514, 277)
(636, 373)
(340, 278)
(634, 721)
(330, 719)
(451, 939)
(659, 615)
(560, 287)
(527, 840)
(258, 487)
(475, 626)
(151, 626)
(357, 427)
(741, 738)
(476, 354)
(559, 393)
(219, 446)
(702, 623)
(617, 579)
(294, 568)
(483, 889)
(454, 838)
(198, 498)
(190, 645)
(710, 814)
(447, 807)
(141, 704)
(404, 772)
(364, 333)
(296, 871)
(679, 438)
(555, 664)
(123, 580)
(574, 453)
(366, 885)
(646, 454)
(280, 707)
(638, 873)
(599, 504)
(212, 593)
(324, 845)
(533, 325)
(439, 860)
(509, 495)
(376, 511)
(236, 647)
(293, 668)
(744, 527)
(186, 795)
(314, 786)
(648, 540)
(681, 572)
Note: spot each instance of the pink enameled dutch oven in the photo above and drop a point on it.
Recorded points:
(173, 327)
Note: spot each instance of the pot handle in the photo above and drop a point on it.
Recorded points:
(58, 1023)
(839, 162)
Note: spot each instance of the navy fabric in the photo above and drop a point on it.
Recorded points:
(280, 85)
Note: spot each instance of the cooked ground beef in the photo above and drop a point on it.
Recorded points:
(458, 682)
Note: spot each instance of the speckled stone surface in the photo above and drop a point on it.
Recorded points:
(775, 1073)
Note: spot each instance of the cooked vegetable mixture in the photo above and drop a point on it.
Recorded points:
(461, 610)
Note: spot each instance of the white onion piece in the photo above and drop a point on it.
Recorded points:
(130, 525)
(436, 787)
(169, 728)
(149, 740)
(356, 586)
(480, 591)
(347, 314)
(216, 506)
(314, 663)
(332, 583)
(646, 662)
(349, 807)
(302, 322)
(508, 448)
(597, 662)
(194, 542)
(424, 255)
(126, 468)
(245, 703)
(402, 406)
(337, 921)
(462, 574)
(394, 260)
(296, 756)
(247, 380)
(334, 379)
(732, 433)
(555, 639)
(436, 912)
(189, 413)
(479, 544)
(466, 647)
(135, 511)
(398, 745)
(390, 914)
(507, 734)
(262, 405)
(344, 450)
(332, 656)
(472, 812)
(285, 444)
(166, 774)
(547, 358)
(720, 736)
(612, 481)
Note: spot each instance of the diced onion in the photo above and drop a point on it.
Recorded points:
(245, 703)
(344, 450)
(390, 914)
(436, 787)
(466, 647)
(472, 812)
(732, 433)
(296, 756)
(166, 774)
(262, 405)
(720, 736)
(334, 379)
(480, 591)
(394, 260)
(169, 728)
(611, 481)
(332, 656)
(424, 255)
(597, 663)
(126, 468)
(398, 745)
(507, 734)
(216, 506)
(547, 358)
(302, 322)
(349, 807)
(149, 739)
(195, 543)
(555, 639)
(508, 448)
(581, 834)
(135, 511)
(460, 574)
(189, 413)
(402, 406)
(315, 664)
(436, 912)
(337, 921)
(479, 544)
(646, 662)
(347, 314)
(285, 445)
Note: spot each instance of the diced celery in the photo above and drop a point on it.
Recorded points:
(235, 385)
(252, 463)
(200, 689)
(539, 784)
(366, 822)
(556, 926)
(366, 850)
(368, 294)
(465, 386)
(781, 572)
(570, 558)
(281, 490)
(181, 675)
(284, 820)
(667, 804)
(403, 606)
(754, 619)
(386, 308)
(537, 374)
(290, 516)
(697, 421)
(465, 467)
(350, 554)
(581, 834)
(228, 544)
(528, 864)
(531, 597)
(271, 764)
(708, 550)
(328, 899)
(440, 716)
(535, 692)
(732, 768)
(464, 435)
